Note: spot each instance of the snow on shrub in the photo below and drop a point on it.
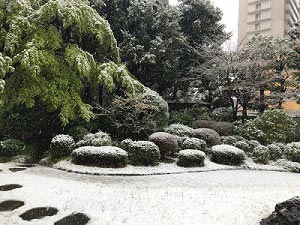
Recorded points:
(191, 158)
(228, 140)
(180, 130)
(194, 143)
(292, 152)
(261, 154)
(180, 140)
(98, 139)
(61, 146)
(125, 144)
(143, 153)
(223, 128)
(11, 147)
(166, 142)
(227, 155)
(253, 144)
(244, 146)
(105, 156)
(276, 151)
(211, 137)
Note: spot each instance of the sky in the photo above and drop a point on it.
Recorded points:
(230, 16)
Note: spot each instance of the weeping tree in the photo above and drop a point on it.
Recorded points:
(58, 59)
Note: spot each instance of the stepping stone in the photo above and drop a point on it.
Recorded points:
(10, 205)
(17, 169)
(74, 219)
(27, 165)
(9, 187)
(38, 213)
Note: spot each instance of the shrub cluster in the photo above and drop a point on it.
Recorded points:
(194, 143)
(292, 152)
(11, 147)
(78, 133)
(261, 154)
(180, 130)
(191, 158)
(227, 154)
(222, 128)
(143, 153)
(98, 139)
(105, 156)
(61, 146)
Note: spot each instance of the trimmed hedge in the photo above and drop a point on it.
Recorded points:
(98, 139)
(180, 130)
(191, 158)
(227, 155)
(223, 128)
(105, 156)
(61, 146)
(143, 153)
(194, 143)
(292, 152)
(166, 142)
(211, 137)
(261, 154)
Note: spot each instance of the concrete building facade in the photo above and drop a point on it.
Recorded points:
(267, 17)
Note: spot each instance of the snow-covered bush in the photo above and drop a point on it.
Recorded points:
(11, 147)
(125, 144)
(143, 153)
(227, 155)
(211, 137)
(194, 143)
(261, 154)
(180, 130)
(228, 140)
(61, 146)
(166, 142)
(78, 133)
(223, 128)
(292, 151)
(276, 151)
(98, 139)
(244, 146)
(180, 140)
(105, 156)
(253, 144)
(191, 158)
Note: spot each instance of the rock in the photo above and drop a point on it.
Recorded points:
(286, 213)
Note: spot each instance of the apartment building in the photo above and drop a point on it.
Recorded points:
(267, 17)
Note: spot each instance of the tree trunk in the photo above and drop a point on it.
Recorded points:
(262, 103)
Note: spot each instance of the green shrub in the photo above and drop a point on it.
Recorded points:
(222, 128)
(61, 146)
(134, 116)
(78, 133)
(261, 154)
(228, 140)
(191, 158)
(125, 144)
(272, 126)
(181, 117)
(194, 143)
(276, 151)
(143, 153)
(180, 130)
(98, 139)
(166, 142)
(11, 147)
(211, 137)
(292, 152)
(244, 146)
(105, 156)
(253, 144)
(227, 155)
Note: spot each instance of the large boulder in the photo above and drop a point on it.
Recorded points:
(223, 128)
(105, 156)
(286, 213)
(227, 155)
(166, 142)
(210, 136)
(191, 158)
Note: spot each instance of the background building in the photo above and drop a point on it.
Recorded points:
(268, 17)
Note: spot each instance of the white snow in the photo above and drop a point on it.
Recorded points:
(211, 198)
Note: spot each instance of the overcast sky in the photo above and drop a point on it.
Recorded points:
(230, 15)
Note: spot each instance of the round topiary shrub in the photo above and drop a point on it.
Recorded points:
(292, 152)
(180, 130)
(261, 154)
(227, 155)
(61, 146)
(166, 142)
(126, 143)
(105, 156)
(228, 140)
(143, 153)
(223, 128)
(211, 137)
(244, 146)
(191, 158)
(11, 147)
(180, 141)
(98, 139)
(275, 151)
(78, 133)
(194, 143)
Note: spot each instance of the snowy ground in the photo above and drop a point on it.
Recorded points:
(210, 198)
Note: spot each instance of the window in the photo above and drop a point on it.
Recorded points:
(257, 26)
(258, 16)
(258, 6)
